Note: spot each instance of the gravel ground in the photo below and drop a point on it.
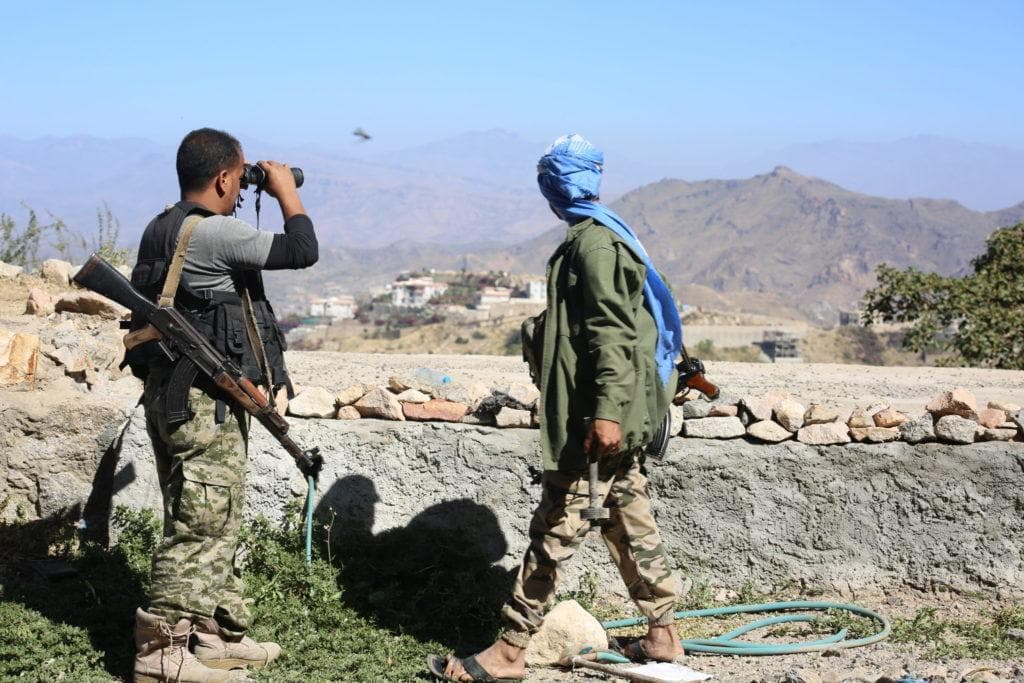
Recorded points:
(905, 388)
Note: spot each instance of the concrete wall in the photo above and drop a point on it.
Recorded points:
(851, 519)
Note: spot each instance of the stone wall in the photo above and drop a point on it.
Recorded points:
(852, 519)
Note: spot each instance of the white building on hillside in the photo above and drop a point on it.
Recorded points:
(493, 295)
(342, 307)
(415, 292)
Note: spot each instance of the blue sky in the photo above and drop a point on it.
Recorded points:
(668, 78)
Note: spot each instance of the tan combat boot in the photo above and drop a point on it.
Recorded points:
(162, 653)
(217, 650)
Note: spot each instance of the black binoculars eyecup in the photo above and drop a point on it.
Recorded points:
(256, 176)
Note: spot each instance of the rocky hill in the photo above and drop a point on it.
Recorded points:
(778, 241)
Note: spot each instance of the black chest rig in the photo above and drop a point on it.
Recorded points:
(218, 316)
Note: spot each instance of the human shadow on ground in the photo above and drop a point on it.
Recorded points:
(52, 568)
(435, 578)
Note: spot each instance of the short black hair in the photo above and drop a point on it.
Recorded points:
(202, 155)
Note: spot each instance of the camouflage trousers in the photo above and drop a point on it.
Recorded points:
(201, 466)
(557, 530)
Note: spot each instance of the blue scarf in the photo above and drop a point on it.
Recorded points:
(569, 176)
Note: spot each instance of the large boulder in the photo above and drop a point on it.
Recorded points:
(714, 428)
(768, 431)
(761, 407)
(991, 418)
(89, 303)
(9, 272)
(875, 434)
(566, 628)
(351, 394)
(696, 409)
(955, 429)
(512, 417)
(959, 401)
(919, 429)
(380, 403)
(436, 410)
(313, 401)
(997, 434)
(860, 418)
(348, 413)
(56, 271)
(820, 414)
(824, 434)
(723, 410)
(889, 418)
(40, 302)
(789, 414)
(411, 396)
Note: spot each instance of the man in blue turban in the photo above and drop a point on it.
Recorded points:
(606, 372)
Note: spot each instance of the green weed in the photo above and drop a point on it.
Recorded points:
(979, 639)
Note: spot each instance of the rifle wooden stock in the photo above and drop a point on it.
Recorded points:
(701, 384)
(248, 396)
(141, 336)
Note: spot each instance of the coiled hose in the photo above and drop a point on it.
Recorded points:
(728, 644)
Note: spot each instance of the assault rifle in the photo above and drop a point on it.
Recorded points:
(182, 344)
(691, 376)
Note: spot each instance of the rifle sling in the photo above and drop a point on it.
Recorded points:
(185, 371)
(177, 262)
(252, 331)
(149, 333)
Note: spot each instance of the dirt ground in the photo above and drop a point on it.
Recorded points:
(885, 660)
(905, 388)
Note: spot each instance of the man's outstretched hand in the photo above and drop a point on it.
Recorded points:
(604, 438)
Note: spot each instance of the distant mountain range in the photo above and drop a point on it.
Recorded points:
(779, 242)
(984, 177)
(476, 187)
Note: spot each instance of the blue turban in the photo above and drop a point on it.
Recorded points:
(569, 176)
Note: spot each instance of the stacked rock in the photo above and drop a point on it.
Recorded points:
(951, 417)
(422, 400)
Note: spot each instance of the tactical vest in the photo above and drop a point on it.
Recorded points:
(216, 315)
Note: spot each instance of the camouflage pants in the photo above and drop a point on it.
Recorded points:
(557, 530)
(201, 466)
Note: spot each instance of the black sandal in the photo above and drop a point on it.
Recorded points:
(436, 665)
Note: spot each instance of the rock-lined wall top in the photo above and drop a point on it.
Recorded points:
(950, 417)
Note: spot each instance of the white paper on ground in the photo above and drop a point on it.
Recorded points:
(668, 672)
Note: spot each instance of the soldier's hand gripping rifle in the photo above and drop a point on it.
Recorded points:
(182, 343)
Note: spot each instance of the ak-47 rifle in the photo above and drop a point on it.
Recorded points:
(180, 341)
(691, 376)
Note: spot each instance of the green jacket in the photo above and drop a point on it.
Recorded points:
(599, 339)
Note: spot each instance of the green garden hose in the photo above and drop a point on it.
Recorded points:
(309, 519)
(729, 645)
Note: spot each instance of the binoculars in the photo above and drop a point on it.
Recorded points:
(254, 175)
